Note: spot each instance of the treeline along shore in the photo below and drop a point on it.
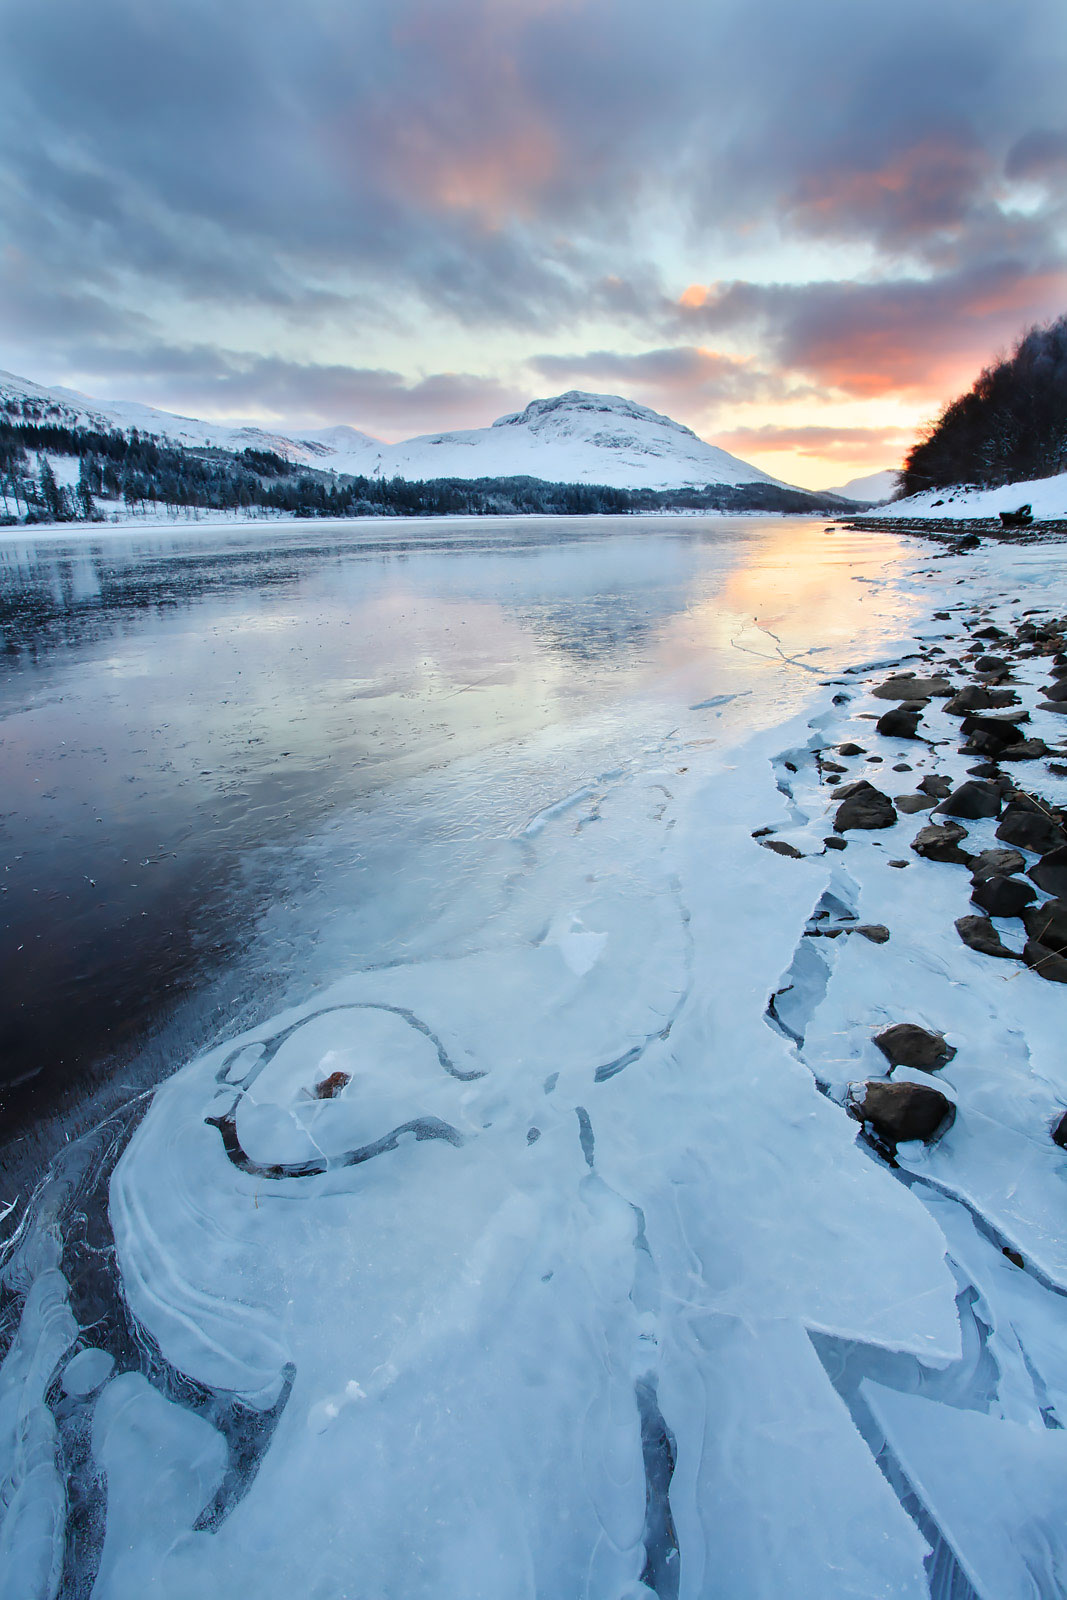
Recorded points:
(140, 471)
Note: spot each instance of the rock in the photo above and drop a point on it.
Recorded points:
(1003, 897)
(984, 769)
(329, 1088)
(850, 750)
(1048, 964)
(782, 847)
(898, 863)
(902, 766)
(864, 806)
(1057, 690)
(876, 932)
(978, 697)
(1030, 829)
(993, 665)
(978, 933)
(1003, 726)
(1025, 750)
(904, 686)
(982, 744)
(899, 724)
(990, 632)
(833, 766)
(1059, 706)
(909, 804)
(935, 785)
(1059, 1132)
(1047, 923)
(1050, 873)
(972, 800)
(833, 843)
(997, 864)
(905, 1044)
(900, 1111)
(940, 841)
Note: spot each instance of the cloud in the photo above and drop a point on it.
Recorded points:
(689, 373)
(405, 173)
(914, 336)
(224, 383)
(851, 444)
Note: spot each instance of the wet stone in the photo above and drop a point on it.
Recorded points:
(1048, 964)
(329, 1088)
(909, 804)
(906, 1044)
(972, 801)
(864, 806)
(850, 750)
(1050, 873)
(1030, 829)
(898, 1112)
(979, 934)
(1025, 750)
(782, 847)
(905, 686)
(899, 724)
(832, 842)
(933, 784)
(997, 863)
(876, 932)
(940, 841)
(1048, 924)
(1003, 897)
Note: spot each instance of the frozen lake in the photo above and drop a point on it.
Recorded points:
(196, 723)
(469, 1207)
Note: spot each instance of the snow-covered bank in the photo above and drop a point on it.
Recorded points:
(1046, 497)
(545, 1261)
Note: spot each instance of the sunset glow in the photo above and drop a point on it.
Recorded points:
(415, 217)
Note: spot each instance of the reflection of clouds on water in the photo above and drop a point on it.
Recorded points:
(491, 1316)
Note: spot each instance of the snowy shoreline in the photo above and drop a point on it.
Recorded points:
(632, 1239)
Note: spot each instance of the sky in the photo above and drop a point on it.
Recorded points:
(799, 228)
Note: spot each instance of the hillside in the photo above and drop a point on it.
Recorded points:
(65, 457)
(1009, 428)
(570, 438)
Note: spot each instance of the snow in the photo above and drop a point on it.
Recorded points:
(582, 1223)
(571, 438)
(1046, 497)
(874, 486)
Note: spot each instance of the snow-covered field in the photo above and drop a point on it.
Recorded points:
(1046, 497)
(545, 1261)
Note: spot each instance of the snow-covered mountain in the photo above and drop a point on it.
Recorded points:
(71, 409)
(576, 438)
(875, 488)
(570, 438)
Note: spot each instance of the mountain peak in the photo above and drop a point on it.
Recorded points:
(583, 408)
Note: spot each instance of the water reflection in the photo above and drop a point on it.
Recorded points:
(178, 715)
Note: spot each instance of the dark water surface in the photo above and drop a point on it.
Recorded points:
(180, 711)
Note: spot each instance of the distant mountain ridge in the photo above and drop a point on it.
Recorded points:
(873, 488)
(568, 438)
